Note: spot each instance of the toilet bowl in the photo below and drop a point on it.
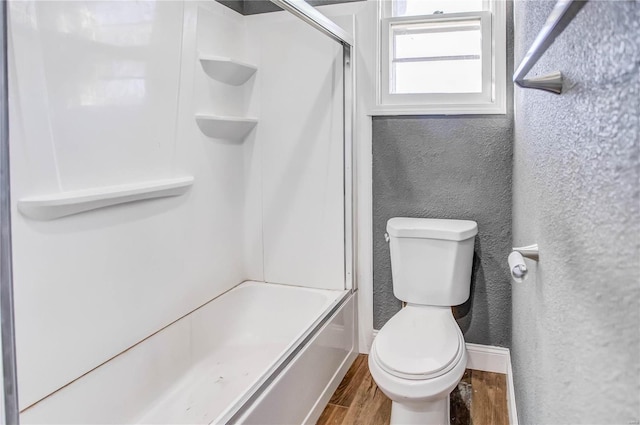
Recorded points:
(419, 355)
(417, 359)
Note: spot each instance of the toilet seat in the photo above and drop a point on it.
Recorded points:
(418, 343)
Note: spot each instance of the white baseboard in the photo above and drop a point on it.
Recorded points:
(511, 395)
(488, 358)
(498, 360)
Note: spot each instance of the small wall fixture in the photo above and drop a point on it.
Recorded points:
(562, 14)
(517, 266)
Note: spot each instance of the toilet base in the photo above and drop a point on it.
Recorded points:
(435, 412)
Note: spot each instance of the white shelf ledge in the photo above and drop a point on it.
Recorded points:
(49, 207)
(230, 128)
(227, 70)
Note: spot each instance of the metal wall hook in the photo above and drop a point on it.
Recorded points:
(530, 251)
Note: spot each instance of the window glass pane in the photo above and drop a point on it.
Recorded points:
(451, 76)
(434, 39)
(436, 57)
(428, 7)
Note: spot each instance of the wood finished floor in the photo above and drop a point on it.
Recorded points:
(479, 399)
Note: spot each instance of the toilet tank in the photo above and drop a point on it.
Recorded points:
(431, 259)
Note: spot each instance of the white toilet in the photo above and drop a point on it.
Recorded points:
(419, 356)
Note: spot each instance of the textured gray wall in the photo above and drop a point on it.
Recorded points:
(450, 167)
(252, 7)
(576, 321)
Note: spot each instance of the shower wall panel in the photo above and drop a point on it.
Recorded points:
(102, 94)
(296, 175)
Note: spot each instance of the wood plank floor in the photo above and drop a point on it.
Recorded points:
(479, 399)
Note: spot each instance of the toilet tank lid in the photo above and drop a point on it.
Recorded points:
(432, 228)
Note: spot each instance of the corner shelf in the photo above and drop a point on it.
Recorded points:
(227, 70)
(221, 127)
(50, 207)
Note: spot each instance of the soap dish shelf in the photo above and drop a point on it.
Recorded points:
(50, 207)
(227, 70)
(229, 128)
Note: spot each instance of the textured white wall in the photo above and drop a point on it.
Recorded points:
(576, 320)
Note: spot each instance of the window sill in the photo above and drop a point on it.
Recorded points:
(437, 110)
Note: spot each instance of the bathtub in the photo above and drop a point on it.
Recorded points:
(241, 358)
(236, 352)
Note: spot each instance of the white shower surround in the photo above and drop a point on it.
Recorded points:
(111, 304)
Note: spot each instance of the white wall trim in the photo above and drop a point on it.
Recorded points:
(489, 358)
(498, 360)
(511, 395)
(365, 15)
(364, 33)
(432, 104)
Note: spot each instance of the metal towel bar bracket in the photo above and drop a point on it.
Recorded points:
(530, 251)
(562, 14)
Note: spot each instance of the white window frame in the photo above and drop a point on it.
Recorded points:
(493, 98)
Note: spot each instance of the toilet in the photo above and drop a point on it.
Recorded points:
(419, 356)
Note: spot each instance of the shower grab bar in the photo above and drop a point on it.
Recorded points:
(562, 14)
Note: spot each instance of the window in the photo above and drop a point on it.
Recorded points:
(441, 57)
